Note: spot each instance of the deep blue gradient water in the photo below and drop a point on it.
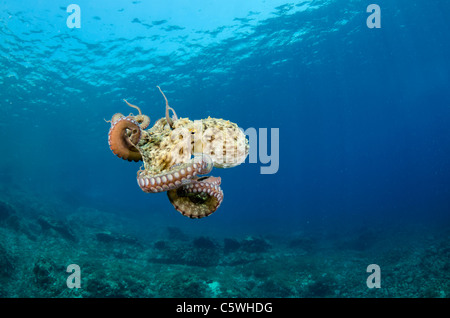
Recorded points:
(363, 114)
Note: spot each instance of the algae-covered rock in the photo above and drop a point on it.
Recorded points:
(6, 262)
(62, 228)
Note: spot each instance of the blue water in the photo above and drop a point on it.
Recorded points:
(363, 113)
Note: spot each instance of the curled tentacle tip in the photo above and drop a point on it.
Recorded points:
(168, 119)
(133, 106)
(143, 120)
(174, 117)
(196, 200)
(122, 144)
(116, 117)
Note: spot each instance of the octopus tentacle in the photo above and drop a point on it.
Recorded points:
(176, 176)
(120, 143)
(168, 119)
(198, 199)
(134, 106)
(116, 117)
(143, 120)
(165, 167)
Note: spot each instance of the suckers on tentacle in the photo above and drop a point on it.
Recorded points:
(120, 143)
(166, 149)
(143, 120)
(198, 199)
(176, 176)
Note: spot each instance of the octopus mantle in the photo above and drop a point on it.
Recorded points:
(176, 152)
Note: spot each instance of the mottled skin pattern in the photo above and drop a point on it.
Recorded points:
(175, 152)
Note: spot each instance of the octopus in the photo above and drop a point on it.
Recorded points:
(177, 154)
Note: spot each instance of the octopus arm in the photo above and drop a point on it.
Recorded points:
(198, 199)
(176, 176)
(121, 143)
(217, 143)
